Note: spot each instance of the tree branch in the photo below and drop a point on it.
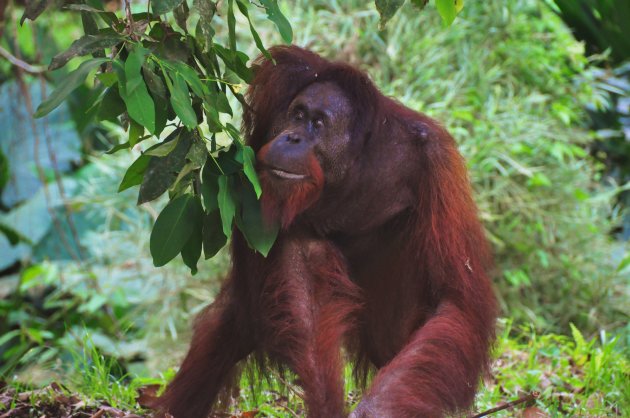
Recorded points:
(527, 398)
(25, 66)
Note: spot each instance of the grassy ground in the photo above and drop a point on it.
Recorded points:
(560, 375)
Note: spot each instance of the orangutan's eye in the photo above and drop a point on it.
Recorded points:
(318, 123)
(298, 114)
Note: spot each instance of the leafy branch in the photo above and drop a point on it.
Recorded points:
(161, 82)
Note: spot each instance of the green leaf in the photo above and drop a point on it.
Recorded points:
(539, 180)
(118, 147)
(624, 263)
(223, 104)
(236, 137)
(164, 148)
(83, 8)
(154, 82)
(161, 7)
(33, 9)
(213, 237)
(135, 173)
(90, 27)
(94, 303)
(180, 99)
(162, 171)
(227, 203)
(36, 275)
(227, 162)
(181, 14)
(206, 9)
(85, 45)
(258, 234)
(67, 85)
(580, 342)
(448, 9)
(184, 178)
(420, 4)
(212, 119)
(275, 15)
(198, 153)
(140, 105)
(209, 188)
(235, 61)
(108, 79)
(249, 160)
(191, 77)
(192, 249)
(12, 235)
(172, 229)
(231, 21)
(4, 170)
(242, 6)
(8, 336)
(111, 105)
(136, 131)
(157, 90)
(109, 18)
(387, 9)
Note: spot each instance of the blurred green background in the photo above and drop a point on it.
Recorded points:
(536, 93)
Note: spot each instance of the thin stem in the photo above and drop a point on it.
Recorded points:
(23, 65)
(527, 398)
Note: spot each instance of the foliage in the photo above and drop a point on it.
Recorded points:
(94, 391)
(575, 376)
(114, 294)
(42, 317)
(610, 118)
(602, 24)
(447, 9)
(96, 377)
(155, 74)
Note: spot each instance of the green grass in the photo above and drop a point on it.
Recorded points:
(98, 379)
(574, 376)
(95, 381)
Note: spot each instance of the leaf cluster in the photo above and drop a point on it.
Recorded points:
(164, 82)
(448, 9)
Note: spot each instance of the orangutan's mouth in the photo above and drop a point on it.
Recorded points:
(286, 174)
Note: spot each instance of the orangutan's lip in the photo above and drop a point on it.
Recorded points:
(286, 175)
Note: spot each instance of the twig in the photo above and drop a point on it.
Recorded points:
(31, 69)
(62, 193)
(527, 398)
(288, 385)
(130, 23)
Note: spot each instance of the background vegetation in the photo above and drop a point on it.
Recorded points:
(538, 115)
